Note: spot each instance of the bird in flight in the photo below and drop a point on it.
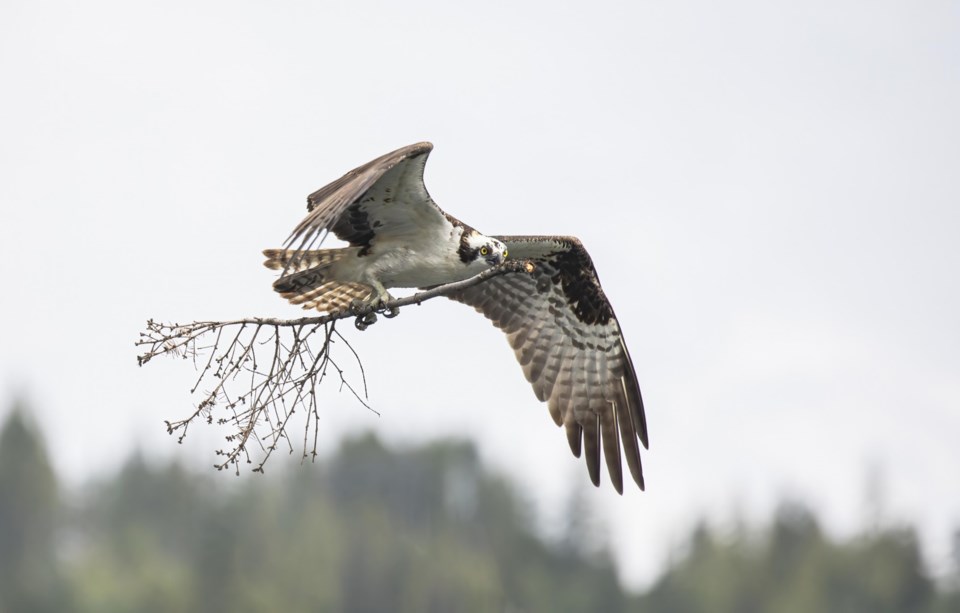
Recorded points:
(557, 319)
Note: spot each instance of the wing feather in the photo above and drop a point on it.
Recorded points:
(569, 343)
(547, 376)
(628, 434)
(611, 448)
(574, 437)
(591, 446)
(384, 197)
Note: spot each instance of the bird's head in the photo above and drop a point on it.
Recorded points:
(476, 248)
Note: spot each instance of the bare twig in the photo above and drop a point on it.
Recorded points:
(283, 383)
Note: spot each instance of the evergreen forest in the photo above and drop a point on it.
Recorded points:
(372, 528)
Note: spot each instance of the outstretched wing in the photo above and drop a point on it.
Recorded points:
(384, 198)
(567, 339)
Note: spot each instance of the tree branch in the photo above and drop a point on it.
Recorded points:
(286, 380)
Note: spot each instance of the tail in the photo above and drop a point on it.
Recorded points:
(307, 280)
(294, 260)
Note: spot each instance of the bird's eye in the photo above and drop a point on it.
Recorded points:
(484, 251)
(505, 253)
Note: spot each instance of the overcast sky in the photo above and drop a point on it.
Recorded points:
(769, 190)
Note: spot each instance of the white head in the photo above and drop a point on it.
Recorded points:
(479, 252)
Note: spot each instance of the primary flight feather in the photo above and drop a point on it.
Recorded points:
(557, 319)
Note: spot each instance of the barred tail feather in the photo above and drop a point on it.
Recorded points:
(307, 281)
(279, 259)
(333, 296)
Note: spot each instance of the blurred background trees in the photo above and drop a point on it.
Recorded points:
(29, 520)
(378, 529)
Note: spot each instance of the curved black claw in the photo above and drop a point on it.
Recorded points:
(365, 321)
(391, 312)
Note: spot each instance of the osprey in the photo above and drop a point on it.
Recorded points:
(557, 318)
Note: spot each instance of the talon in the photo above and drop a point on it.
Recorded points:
(391, 312)
(365, 321)
(356, 307)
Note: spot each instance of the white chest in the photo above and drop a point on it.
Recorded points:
(406, 266)
(411, 259)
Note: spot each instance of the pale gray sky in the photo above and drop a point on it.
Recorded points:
(770, 191)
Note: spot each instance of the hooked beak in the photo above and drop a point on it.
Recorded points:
(495, 259)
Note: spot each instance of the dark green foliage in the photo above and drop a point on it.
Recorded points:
(371, 530)
(29, 514)
(377, 529)
(792, 568)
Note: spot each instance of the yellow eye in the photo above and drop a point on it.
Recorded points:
(504, 253)
(484, 251)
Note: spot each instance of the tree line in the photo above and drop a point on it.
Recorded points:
(378, 529)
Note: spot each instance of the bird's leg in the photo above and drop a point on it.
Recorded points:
(366, 312)
(383, 297)
(365, 316)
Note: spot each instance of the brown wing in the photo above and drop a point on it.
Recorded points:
(567, 339)
(384, 196)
